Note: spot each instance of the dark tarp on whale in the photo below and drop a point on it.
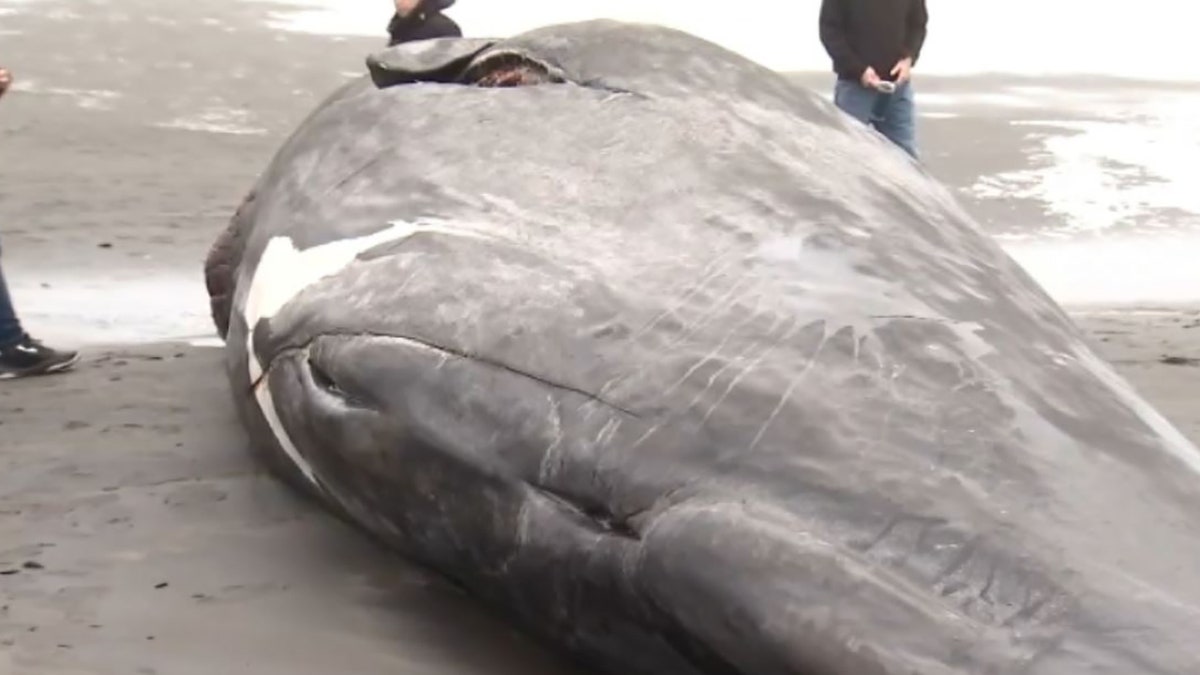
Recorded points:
(687, 372)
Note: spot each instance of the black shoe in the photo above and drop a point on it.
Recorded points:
(30, 357)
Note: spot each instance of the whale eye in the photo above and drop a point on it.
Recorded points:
(322, 380)
(325, 381)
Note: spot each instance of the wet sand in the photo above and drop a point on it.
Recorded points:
(136, 536)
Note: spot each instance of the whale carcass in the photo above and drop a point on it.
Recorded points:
(688, 373)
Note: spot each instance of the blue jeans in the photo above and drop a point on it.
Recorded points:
(892, 115)
(10, 329)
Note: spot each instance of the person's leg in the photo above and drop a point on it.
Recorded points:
(855, 100)
(10, 328)
(899, 119)
(21, 355)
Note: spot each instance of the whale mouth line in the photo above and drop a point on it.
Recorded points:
(328, 383)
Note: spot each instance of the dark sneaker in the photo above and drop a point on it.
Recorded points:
(30, 357)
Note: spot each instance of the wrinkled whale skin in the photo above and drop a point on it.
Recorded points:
(688, 373)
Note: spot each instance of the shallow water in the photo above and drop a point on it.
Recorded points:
(113, 310)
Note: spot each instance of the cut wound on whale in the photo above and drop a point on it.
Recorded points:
(471, 65)
(508, 69)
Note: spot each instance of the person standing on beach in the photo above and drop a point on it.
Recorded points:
(421, 20)
(874, 45)
(21, 355)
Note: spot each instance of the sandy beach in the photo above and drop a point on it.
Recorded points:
(136, 536)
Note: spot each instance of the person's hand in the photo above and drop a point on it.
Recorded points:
(6, 79)
(407, 7)
(869, 79)
(902, 70)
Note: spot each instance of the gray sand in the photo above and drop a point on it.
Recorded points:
(136, 536)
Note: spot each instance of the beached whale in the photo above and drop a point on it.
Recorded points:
(688, 373)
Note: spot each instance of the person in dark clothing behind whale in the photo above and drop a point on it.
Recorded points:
(421, 20)
(874, 45)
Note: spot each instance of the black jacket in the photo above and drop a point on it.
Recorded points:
(424, 23)
(875, 33)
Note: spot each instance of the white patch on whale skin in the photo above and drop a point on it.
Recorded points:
(283, 272)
